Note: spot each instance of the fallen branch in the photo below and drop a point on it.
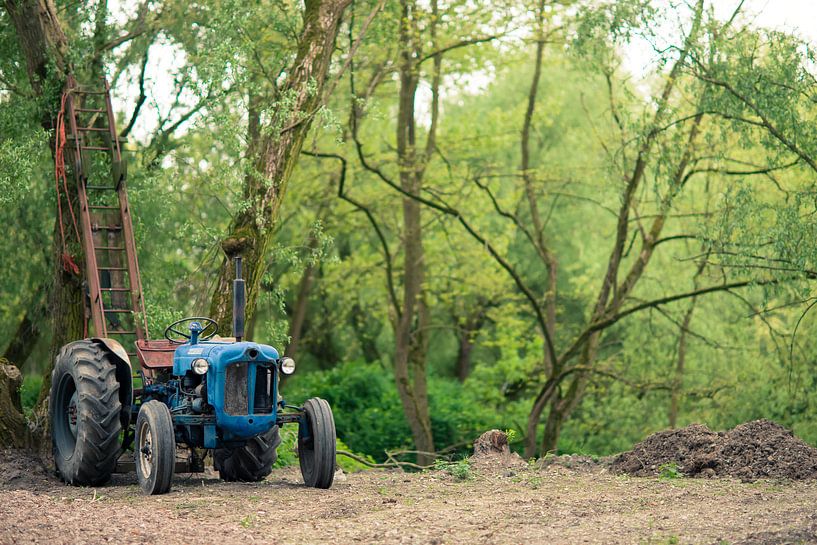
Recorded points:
(387, 465)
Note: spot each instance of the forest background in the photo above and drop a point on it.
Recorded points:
(580, 221)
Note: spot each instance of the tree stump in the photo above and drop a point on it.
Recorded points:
(492, 442)
(13, 428)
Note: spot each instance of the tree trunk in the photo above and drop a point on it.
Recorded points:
(545, 253)
(296, 324)
(409, 358)
(553, 428)
(27, 334)
(410, 329)
(366, 332)
(677, 385)
(44, 47)
(612, 293)
(620, 292)
(13, 428)
(41, 40)
(539, 404)
(466, 345)
(466, 337)
(561, 404)
(265, 186)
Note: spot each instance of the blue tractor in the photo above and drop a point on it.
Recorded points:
(219, 396)
(170, 401)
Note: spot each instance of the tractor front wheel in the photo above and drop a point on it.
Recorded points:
(316, 444)
(155, 452)
(84, 410)
(250, 463)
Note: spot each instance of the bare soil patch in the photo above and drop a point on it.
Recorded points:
(507, 502)
(21, 469)
(760, 449)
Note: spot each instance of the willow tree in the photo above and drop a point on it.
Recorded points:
(432, 41)
(44, 48)
(696, 119)
(657, 154)
(279, 123)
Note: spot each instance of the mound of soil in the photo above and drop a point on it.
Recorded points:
(22, 469)
(754, 450)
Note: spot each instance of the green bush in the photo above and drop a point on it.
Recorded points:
(289, 442)
(367, 410)
(350, 465)
(369, 416)
(30, 391)
(286, 450)
(460, 470)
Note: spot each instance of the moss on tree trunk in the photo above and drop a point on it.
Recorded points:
(276, 154)
(13, 428)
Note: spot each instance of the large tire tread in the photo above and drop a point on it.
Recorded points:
(98, 424)
(250, 463)
(155, 416)
(317, 457)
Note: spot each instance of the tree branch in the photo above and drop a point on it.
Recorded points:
(764, 121)
(372, 220)
(142, 95)
(457, 45)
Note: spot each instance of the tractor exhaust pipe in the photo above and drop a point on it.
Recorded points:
(239, 302)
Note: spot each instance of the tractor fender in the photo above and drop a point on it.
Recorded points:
(124, 373)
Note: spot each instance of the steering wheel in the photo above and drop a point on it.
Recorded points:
(208, 331)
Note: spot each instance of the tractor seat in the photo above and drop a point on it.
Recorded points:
(157, 354)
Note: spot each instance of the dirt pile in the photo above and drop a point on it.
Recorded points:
(754, 450)
(22, 469)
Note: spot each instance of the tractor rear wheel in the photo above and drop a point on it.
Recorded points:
(84, 411)
(155, 452)
(250, 463)
(316, 444)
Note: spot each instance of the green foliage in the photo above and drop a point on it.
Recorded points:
(369, 417)
(29, 391)
(289, 442)
(744, 208)
(18, 161)
(288, 447)
(460, 470)
(350, 465)
(669, 471)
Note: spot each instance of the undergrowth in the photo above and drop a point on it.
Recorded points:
(460, 470)
(289, 442)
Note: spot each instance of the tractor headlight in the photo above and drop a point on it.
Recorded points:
(287, 366)
(200, 366)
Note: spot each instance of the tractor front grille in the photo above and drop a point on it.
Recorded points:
(236, 394)
(237, 389)
(262, 402)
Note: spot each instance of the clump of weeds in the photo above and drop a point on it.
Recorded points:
(460, 470)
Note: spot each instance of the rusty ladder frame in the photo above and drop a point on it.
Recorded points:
(82, 142)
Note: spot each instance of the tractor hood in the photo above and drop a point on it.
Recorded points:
(242, 386)
(221, 354)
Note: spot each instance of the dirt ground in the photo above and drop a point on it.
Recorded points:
(571, 501)
(753, 450)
